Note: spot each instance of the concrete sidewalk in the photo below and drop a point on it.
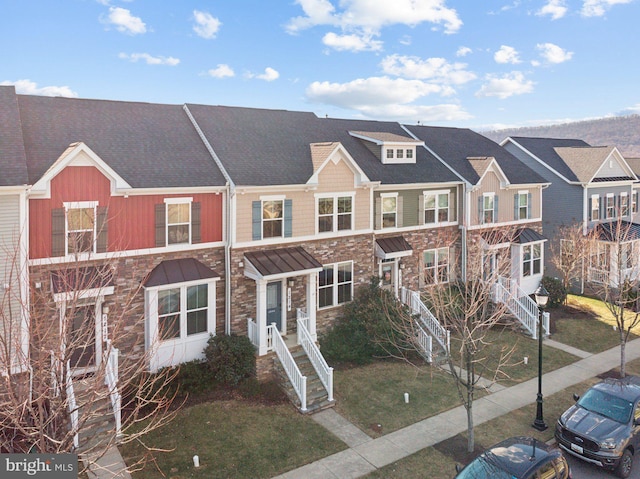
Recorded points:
(366, 454)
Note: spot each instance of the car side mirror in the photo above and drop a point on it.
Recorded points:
(458, 468)
(575, 397)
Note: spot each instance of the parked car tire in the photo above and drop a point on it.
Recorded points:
(624, 467)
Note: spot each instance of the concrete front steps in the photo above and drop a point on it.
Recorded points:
(97, 428)
(317, 397)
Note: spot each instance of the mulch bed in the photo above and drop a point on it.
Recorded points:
(456, 448)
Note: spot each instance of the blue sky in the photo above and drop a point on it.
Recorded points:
(467, 63)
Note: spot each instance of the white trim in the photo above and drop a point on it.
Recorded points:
(178, 201)
(77, 205)
(505, 223)
(173, 202)
(335, 215)
(264, 198)
(335, 284)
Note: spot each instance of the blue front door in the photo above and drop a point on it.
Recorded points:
(274, 304)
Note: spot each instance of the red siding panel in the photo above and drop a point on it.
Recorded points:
(131, 220)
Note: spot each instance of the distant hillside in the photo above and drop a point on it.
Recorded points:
(621, 131)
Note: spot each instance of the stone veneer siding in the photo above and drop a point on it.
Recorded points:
(126, 304)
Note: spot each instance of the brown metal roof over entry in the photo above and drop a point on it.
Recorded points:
(175, 271)
(393, 247)
(280, 263)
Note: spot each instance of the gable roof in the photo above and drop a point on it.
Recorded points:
(272, 147)
(585, 161)
(456, 146)
(545, 150)
(148, 145)
(13, 159)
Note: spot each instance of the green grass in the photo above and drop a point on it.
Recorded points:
(234, 440)
(587, 324)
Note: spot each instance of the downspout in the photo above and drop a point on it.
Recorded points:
(466, 195)
(229, 223)
(585, 222)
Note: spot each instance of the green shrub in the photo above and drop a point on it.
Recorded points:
(364, 330)
(230, 359)
(557, 291)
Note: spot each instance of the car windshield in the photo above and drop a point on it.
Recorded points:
(607, 405)
(482, 469)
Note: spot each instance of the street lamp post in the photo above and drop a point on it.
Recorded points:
(542, 296)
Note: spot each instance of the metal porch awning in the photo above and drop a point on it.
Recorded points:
(393, 247)
(280, 263)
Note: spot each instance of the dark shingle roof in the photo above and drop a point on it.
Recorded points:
(545, 150)
(618, 231)
(272, 147)
(149, 145)
(13, 160)
(456, 145)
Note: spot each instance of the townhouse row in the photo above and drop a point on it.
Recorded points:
(160, 225)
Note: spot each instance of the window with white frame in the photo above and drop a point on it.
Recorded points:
(436, 265)
(627, 256)
(488, 203)
(595, 207)
(272, 218)
(634, 202)
(523, 205)
(409, 153)
(610, 206)
(531, 259)
(399, 153)
(389, 210)
(183, 311)
(81, 227)
(390, 153)
(335, 284)
(624, 204)
(178, 220)
(335, 213)
(436, 207)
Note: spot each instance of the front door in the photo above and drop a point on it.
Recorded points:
(82, 337)
(388, 274)
(274, 304)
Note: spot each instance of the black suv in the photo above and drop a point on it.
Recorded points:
(517, 458)
(603, 427)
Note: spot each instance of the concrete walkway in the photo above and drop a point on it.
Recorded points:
(366, 454)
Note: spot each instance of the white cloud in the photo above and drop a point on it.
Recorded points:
(367, 93)
(207, 25)
(503, 87)
(124, 22)
(354, 43)
(370, 16)
(28, 87)
(149, 59)
(269, 75)
(631, 110)
(221, 71)
(555, 8)
(597, 8)
(463, 51)
(553, 53)
(434, 69)
(506, 54)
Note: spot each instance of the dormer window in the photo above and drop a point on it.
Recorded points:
(390, 148)
(394, 154)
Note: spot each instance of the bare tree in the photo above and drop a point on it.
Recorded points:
(613, 273)
(568, 254)
(68, 392)
(466, 307)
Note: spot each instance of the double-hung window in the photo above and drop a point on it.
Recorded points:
(335, 284)
(335, 213)
(178, 220)
(522, 205)
(488, 208)
(183, 311)
(272, 218)
(81, 227)
(595, 208)
(610, 206)
(436, 207)
(531, 259)
(389, 210)
(624, 204)
(436, 265)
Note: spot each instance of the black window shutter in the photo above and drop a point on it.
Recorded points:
(161, 225)
(58, 226)
(102, 239)
(195, 223)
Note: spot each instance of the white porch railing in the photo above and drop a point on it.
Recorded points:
(325, 373)
(520, 305)
(428, 320)
(598, 276)
(425, 342)
(111, 381)
(72, 405)
(298, 381)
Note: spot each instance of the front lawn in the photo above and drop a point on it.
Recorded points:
(233, 439)
(586, 324)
